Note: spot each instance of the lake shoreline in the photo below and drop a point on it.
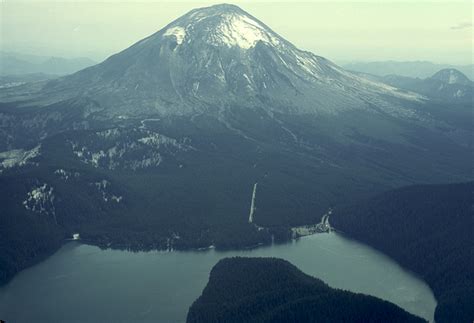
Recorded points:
(113, 246)
(173, 276)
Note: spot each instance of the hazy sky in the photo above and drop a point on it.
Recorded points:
(439, 31)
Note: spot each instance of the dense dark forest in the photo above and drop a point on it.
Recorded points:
(77, 206)
(185, 184)
(427, 229)
(24, 241)
(273, 290)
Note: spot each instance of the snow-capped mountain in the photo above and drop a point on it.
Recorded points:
(216, 57)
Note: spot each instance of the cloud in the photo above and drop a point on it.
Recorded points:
(462, 25)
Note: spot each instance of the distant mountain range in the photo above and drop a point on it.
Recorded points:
(20, 64)
(9, 81)
(161, 145)
(273, 290)
(448, 85)
(416, 69)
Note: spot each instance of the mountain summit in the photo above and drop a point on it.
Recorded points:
(219, 25)
(451, 76)
(215, 57)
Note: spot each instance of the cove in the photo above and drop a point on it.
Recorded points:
(82, 283)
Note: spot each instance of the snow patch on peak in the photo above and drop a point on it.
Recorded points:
(178, 32)
(453, 77)
(241, 31)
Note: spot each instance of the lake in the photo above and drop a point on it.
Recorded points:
(82, 283)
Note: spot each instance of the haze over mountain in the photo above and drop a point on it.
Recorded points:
(327, 28)
(20, 64)
(161, 145)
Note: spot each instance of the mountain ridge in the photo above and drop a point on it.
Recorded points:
(421, 69)
(447, 84)
(16, 64)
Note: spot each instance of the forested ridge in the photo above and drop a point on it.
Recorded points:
(274, 290)
(427, 229)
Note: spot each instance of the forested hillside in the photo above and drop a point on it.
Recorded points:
(273, 290)
(427, 229)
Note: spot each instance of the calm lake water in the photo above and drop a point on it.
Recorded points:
(82, 283)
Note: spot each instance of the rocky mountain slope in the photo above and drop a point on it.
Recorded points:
(213, 58)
